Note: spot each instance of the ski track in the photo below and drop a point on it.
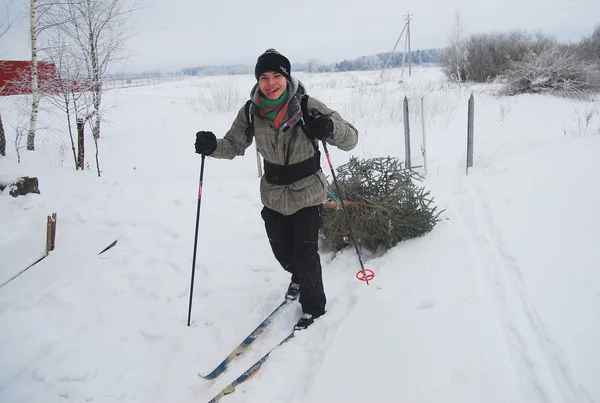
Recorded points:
(328, 336)
(537, 358)
(303, 372)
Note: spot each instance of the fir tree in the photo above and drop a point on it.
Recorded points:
(383, 203)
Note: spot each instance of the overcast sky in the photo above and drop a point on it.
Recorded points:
(171, 34)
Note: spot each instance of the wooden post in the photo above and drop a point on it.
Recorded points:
(80, 143)
(2, 139)
(50, 233)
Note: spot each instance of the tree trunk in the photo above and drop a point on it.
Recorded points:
(35, 92)
(2, 139)
(68, 112)
(97, 160)
(97, 87)
(80, 143)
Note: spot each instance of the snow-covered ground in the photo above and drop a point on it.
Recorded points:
(499, 303)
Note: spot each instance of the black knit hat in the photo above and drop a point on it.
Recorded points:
(272, 60)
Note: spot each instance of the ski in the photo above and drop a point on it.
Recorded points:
(109, 246)
(243, 346)
(250, 372)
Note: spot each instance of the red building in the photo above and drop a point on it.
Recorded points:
(15, 76)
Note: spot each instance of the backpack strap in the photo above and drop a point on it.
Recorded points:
(250, 120)
(305, 115)
(304, 107)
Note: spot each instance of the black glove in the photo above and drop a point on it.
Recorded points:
(320, 126)
(206, 142)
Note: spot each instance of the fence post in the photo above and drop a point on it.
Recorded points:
(407, 161)
(470, 128)
(424, 151)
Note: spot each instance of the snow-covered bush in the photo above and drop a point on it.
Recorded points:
(554, 70)
(483, 57)
(221, 97)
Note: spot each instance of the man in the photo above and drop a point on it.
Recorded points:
(293, 187)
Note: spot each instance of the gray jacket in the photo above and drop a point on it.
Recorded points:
(274, 144)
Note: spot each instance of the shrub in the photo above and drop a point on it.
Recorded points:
(589, 47)
(483, 57)
(555, 70)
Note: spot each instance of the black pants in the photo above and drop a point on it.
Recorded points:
(294, 240)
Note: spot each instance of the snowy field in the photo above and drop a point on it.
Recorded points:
(499, 303)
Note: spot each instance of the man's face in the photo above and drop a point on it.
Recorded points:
(272, 84)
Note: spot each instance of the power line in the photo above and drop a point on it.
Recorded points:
(536, 11)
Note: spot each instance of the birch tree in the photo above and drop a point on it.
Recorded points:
(458, 47)
(35, 92)
(454, 58)
(38, 23)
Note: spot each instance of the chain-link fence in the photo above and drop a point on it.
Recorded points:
(140, 81)
(148, 132)
(509, 125)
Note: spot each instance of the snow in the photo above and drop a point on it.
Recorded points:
(499, 303)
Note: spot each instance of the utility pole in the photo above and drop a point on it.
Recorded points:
(407, 19)
(406, 29)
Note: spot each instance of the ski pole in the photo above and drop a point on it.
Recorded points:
(196, 238)
(337, 186)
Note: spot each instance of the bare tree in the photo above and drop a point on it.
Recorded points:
(590, 46)
(97, 28)
(19, 126)
(69, 90)
(458, 47)
(454, 58)
(5, 26)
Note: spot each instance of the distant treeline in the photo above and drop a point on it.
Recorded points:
(378, 61)
(218, 70)
(373, 62)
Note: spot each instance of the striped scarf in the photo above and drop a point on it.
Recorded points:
(274, 110)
